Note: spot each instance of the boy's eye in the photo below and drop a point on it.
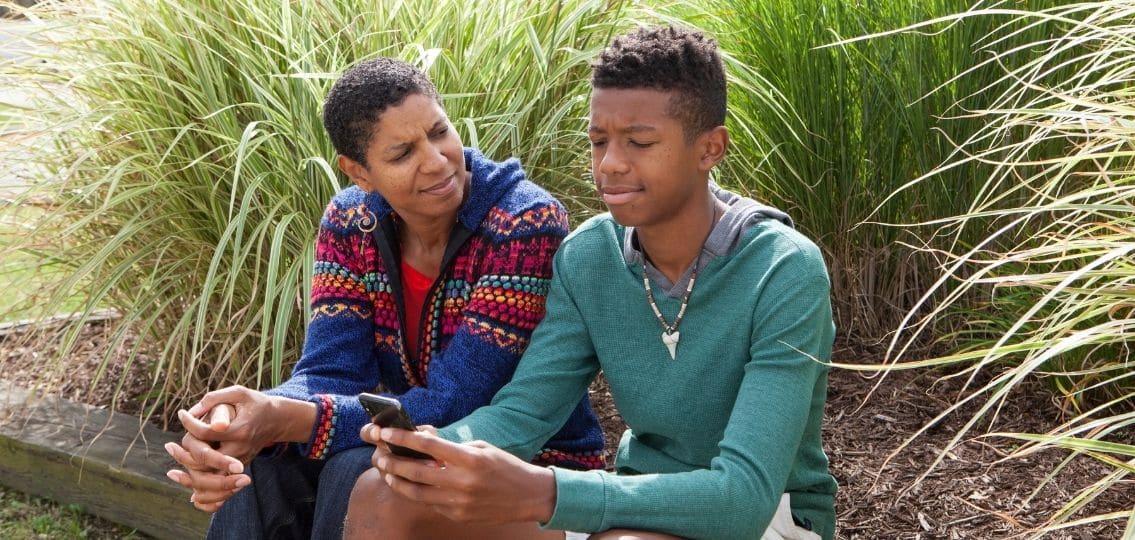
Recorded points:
(598, 143)
(638, 144)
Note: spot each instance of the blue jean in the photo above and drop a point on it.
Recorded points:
(292, 497)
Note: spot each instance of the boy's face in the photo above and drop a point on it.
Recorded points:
(645, 170)
(415, 160)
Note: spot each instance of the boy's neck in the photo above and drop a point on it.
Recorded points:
(672, 246)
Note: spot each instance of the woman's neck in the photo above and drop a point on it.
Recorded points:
(423, 242)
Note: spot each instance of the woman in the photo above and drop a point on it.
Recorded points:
(430, 275)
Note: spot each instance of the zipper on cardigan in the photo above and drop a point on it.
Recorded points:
(391, 254)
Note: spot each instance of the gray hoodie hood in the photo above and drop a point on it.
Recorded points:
(742, 213)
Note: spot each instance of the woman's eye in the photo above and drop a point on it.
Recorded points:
(440, 132)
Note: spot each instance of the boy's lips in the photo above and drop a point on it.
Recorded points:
(616, 195)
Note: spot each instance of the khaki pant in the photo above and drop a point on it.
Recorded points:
(781, 528)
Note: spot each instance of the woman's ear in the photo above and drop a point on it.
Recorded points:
(355, 171)
(713, 145)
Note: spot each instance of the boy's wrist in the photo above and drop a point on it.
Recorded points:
(543, 496)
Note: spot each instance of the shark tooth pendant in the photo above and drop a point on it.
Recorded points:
(670, 340)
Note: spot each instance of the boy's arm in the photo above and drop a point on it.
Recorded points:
(495, 327)
(737, 496)
(548, 383)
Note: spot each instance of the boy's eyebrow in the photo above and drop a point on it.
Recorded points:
(634, 128)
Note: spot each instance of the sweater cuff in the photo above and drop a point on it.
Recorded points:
(580, 501)
(323, 431)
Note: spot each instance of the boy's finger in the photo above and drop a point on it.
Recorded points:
(369, 433)
(425, 442)
(443, 453)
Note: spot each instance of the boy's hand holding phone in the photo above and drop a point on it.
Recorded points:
(388, 412)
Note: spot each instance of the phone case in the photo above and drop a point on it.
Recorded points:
(387, 412)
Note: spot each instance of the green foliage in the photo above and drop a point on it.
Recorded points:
(1056, 234)
(832, 131)
(189, 167)
(25, 516)
(186, 168)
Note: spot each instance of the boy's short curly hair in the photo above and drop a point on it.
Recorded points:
(359, 97)
(669, 58)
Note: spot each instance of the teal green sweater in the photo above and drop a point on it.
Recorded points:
(715, 436)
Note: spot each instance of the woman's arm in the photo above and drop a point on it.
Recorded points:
(338, 354)
(547, 385)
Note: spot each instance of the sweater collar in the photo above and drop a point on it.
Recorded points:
(740, 216)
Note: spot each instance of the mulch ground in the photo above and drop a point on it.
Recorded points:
(884, 492)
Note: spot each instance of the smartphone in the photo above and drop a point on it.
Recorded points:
(387, 412)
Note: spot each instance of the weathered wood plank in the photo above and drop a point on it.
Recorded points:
(16, 327)
(105, 462)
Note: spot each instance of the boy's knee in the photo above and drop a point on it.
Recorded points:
(370, 487)
(369, 500)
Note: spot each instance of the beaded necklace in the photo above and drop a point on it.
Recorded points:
(670, 334)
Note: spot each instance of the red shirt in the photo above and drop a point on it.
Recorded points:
(415, 286)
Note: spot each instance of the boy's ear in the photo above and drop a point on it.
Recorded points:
(355, 171)
(713, 145)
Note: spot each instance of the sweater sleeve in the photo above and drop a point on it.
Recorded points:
(505, 304)
(548, 383)
(737, 495)
(338, 353)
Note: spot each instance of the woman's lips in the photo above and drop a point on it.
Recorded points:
(442, 188)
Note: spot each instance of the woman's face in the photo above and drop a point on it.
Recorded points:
(415, 160)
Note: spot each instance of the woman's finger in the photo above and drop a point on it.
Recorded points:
(195, 454)
(221, 416)
(229, 394)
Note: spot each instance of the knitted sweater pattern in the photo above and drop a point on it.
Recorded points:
(477, 320)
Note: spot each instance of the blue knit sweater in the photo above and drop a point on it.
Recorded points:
(476, 322)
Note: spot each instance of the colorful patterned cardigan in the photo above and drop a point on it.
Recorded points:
(476, 322)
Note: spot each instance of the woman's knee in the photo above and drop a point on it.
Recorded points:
(343, 469)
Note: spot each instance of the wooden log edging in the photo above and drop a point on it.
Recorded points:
(109, 464)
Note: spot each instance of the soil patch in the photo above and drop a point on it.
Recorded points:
(972, 493)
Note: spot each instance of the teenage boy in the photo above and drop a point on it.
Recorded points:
(707, 312)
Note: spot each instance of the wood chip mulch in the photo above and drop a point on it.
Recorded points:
(884, 494)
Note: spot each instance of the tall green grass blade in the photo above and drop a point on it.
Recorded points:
(187, 167)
